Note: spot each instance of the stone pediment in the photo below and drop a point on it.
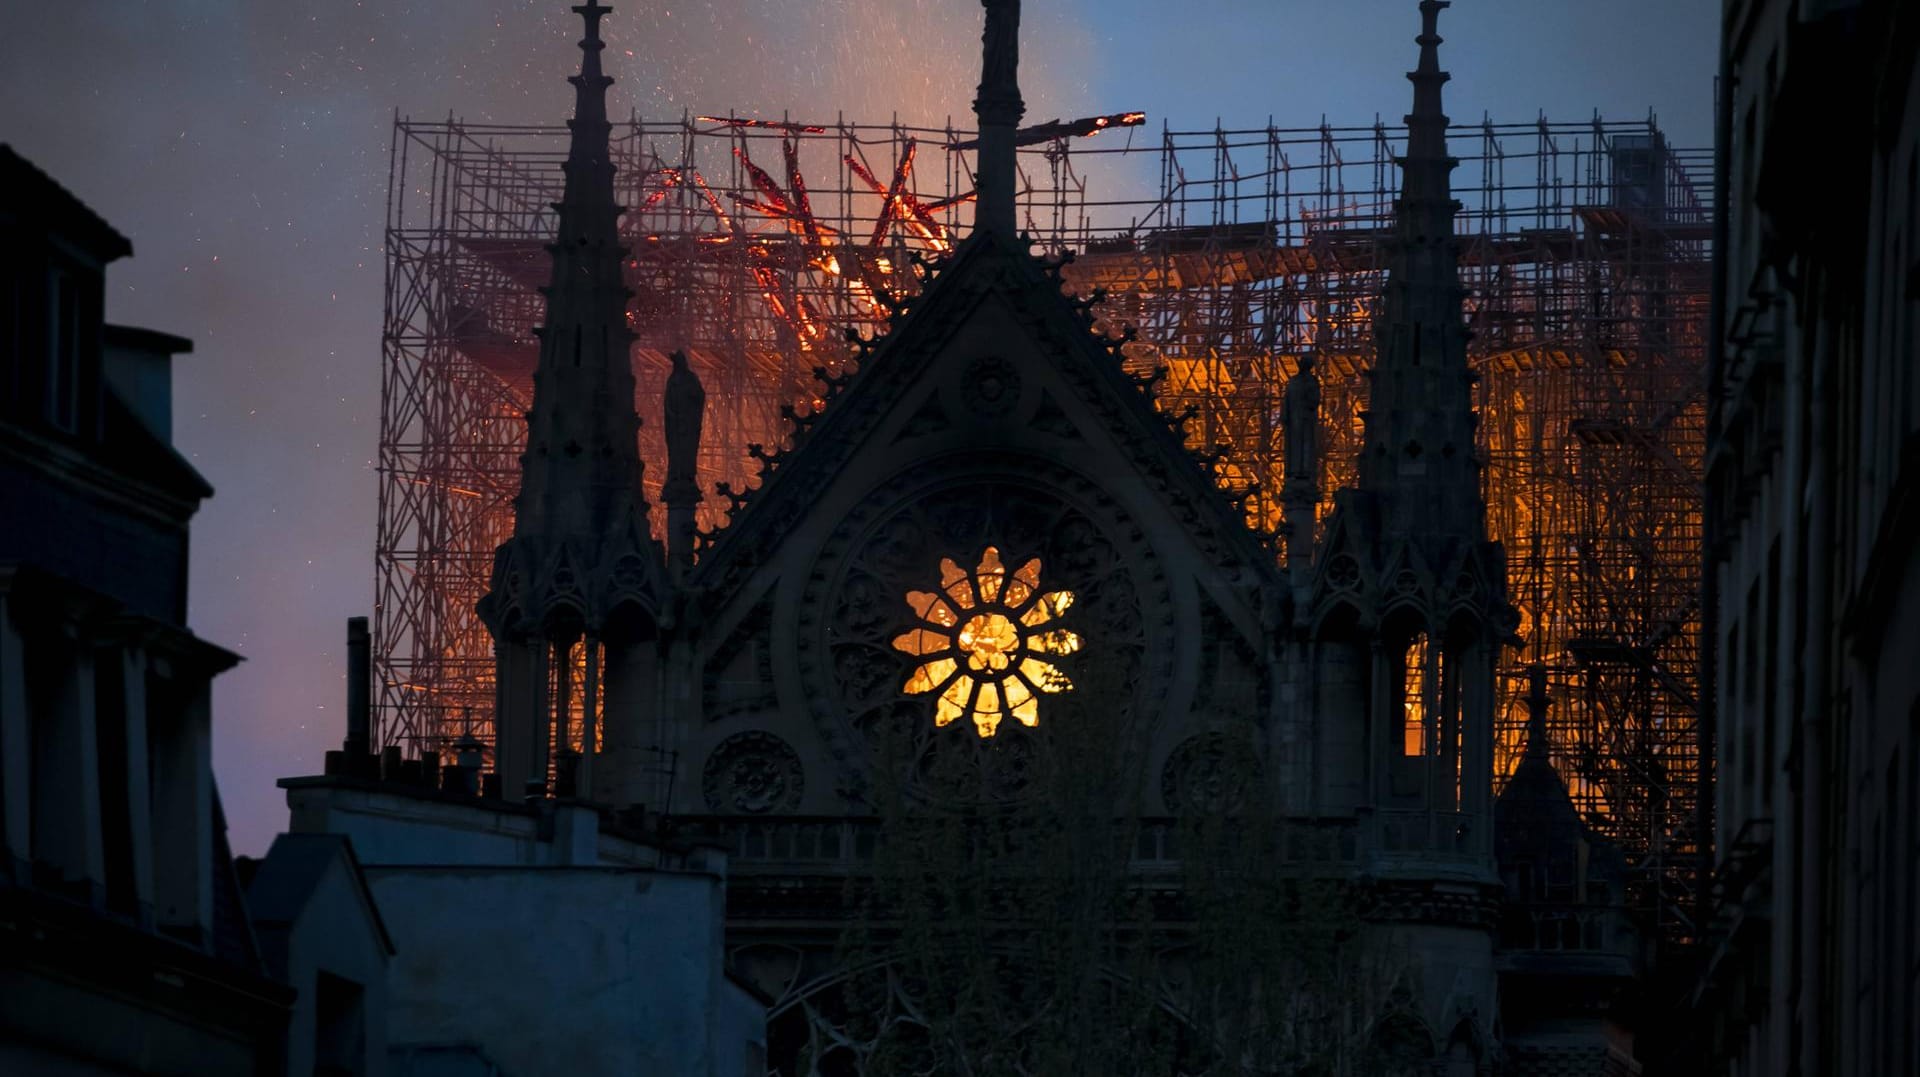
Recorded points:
(991, 431)
(990, 339)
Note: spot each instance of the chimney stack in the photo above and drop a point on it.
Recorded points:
(359, 679)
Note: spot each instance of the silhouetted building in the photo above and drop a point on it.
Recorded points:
(525, 938)
(989, 516)
(987, 509)
(1570, 953)
(534, 934)
(1813, 955)
(124, 941)
(321, 933)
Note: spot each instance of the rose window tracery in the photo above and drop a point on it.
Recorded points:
(753, 772)
(853, 606)
(986, 641)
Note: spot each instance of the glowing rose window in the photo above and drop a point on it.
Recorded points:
(984, 643)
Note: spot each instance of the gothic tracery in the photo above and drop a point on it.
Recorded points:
(984, 643)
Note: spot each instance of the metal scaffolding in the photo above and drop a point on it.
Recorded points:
(756, 244)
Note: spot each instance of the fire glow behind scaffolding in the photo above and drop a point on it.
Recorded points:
(757, 244)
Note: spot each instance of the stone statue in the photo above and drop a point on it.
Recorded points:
(1302, 418)
(685, 409)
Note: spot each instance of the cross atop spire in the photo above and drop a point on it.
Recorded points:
(997, 107)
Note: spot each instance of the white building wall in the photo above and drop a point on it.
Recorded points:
(333, 937)
(564, 970)
(533, 942)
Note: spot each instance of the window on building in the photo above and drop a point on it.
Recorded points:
(339, 1027)
(176, 767)
(63, 350)
(12, 337)
(112, 747)
(58, 812)
(1416, 734)
(986, 643)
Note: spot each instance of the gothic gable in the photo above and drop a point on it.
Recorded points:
(1040, 331)
(989, 461)
(1375, 575)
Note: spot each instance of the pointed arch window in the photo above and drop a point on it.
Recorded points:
(1415, 695)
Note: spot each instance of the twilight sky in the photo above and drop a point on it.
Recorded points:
(242, 146)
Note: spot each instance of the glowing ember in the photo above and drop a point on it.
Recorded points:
(1054, 130)
(898, 202)
(771, 125)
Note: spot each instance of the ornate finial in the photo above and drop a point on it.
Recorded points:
(591, 13)
(1539, 743)
(1429, 39)
(590, 85)
(1427, 162)
(998, 108)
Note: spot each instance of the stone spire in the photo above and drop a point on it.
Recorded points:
(580, 477)
(998, 108)
(1418, 455)
(581, 550)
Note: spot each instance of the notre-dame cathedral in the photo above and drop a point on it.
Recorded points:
(990, 533)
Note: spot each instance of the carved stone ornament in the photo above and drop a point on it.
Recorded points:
(564, 580)
(1209, 772)
(991, 385)
(753, 772)
(1343, 573)
(629, 574)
